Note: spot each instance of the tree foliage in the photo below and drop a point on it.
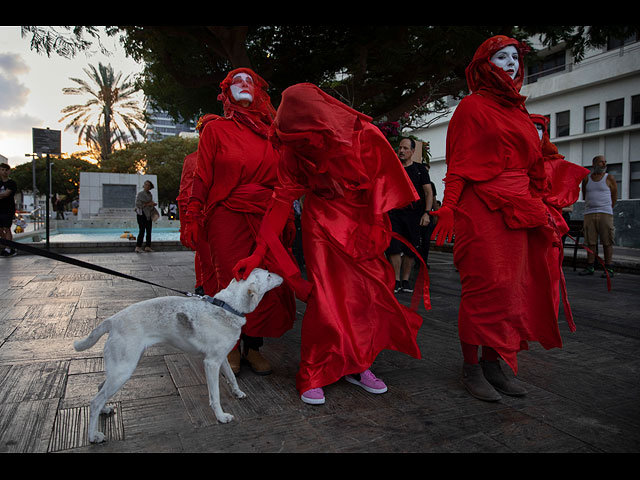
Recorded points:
(65, 175)
(163, 158)
(387, 72)
(110, 115)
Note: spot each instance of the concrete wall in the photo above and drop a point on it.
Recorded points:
(92, 190)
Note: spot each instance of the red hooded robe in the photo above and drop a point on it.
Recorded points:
(506, 244)
(233, 183)
(350, 177)
(202, 262)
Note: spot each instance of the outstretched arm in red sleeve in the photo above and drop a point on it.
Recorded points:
(272, 226)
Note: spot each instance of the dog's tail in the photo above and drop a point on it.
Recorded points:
(93, 337)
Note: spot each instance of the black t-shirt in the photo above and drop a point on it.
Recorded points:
(7, 204)
(419, 176)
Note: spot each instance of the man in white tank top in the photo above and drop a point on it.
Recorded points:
(600, 192)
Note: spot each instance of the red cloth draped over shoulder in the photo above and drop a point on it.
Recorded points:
(350, 177)
(564, 176)
(476, 132)
(323, 134)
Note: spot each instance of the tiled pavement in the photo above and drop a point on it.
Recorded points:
(582, 398)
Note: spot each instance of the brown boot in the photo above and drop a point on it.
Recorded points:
(475, 383)
(496, 377)
(257, 362)
(234, 360)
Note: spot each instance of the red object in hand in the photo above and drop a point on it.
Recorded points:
(244, 267)
(444, 228)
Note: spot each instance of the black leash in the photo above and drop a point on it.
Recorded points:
(80, 263)
(98, 268)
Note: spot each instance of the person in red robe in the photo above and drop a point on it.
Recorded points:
(564, 190)
(350, 177)
(233, 182)
(507, 244)
(202, 262)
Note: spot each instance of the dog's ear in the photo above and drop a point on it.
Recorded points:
(252, 290)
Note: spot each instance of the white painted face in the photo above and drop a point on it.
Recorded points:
(242, 88)
(540, 130)
(507, 59)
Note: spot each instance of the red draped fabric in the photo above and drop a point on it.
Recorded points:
(202, 261)
(507, 247)
(233, 184)
(349, 177)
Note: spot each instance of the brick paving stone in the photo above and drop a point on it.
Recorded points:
(582, 398)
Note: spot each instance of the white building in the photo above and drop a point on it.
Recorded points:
(594, 109)
(161, 125)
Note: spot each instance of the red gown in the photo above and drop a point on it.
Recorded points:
(352, 313)
(238, 170)
(233, 183)
(507, 247)
(202, 262)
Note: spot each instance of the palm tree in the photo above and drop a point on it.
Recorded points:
(111, 116)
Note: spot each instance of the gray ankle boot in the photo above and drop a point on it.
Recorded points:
(477, 385)
(496, 377)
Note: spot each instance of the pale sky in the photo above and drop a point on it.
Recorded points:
(31, 90)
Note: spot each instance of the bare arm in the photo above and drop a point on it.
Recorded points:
(428, 197)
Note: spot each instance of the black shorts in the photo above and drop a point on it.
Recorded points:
(6, 219)
(405, 222)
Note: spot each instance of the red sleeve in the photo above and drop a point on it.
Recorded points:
(203, 173)
(186, 179)
(473, 149)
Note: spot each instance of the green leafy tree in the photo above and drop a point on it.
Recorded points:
(163, 158)
(110, 116)
(387, 72)
(65, 175)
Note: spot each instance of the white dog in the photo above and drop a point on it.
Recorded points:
(191, 324)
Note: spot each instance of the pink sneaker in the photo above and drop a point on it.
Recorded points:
(368, 381)
(315, 396)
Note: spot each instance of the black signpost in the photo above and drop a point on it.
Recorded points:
(46, 141)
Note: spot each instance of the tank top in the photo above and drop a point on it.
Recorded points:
(598, 196)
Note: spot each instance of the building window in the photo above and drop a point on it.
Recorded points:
(634, 180)
(635, 109)
(550, 64)
(562, 124)
(591, 118)
(615, 113)
(613, 43)
(615, 170)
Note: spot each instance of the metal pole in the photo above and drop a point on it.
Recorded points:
(47, 198)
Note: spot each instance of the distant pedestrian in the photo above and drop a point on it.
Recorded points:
(145, 208)
(8, 189)
(600, 193)
(408, 220)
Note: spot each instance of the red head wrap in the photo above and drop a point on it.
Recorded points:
(314, 123)
(486, 78)
(548, 148)
(259, 115)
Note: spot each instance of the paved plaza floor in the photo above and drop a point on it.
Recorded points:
(582, 398)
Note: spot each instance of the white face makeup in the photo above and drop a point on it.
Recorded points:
(540, 131)
(242, 88)
(507, 60)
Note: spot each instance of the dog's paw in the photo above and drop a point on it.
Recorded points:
(97, 437)
(224, 417)
(239, 394)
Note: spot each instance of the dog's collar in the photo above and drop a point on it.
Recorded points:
(221, 304)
